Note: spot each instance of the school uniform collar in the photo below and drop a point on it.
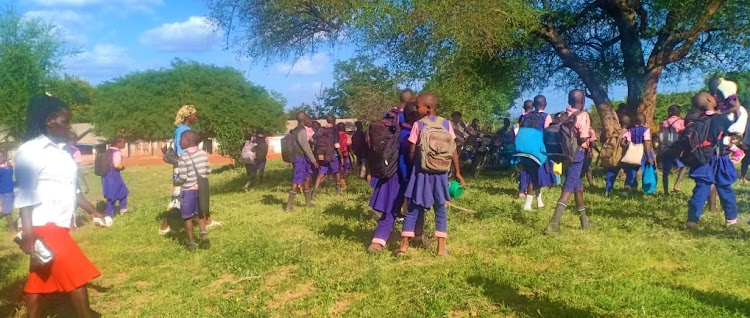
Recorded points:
(45, 142)
(570, 110)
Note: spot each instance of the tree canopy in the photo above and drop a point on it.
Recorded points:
(142, 105)
(78, 93)
(30, 54)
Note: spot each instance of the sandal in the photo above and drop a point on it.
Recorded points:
(399, 254)
(447, 253)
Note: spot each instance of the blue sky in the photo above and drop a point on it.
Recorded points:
(116, 37)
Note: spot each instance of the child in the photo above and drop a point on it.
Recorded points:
(193, 164)
(573, 183)
(612, 172)
(327, 152)
(113, 187)
(545, 176)
(638, 134)
(523, 177)
(589, 158)
(96, 217)
(346, 162)
(720, 171)
(426, 189)
(388, 195)
(303, 163)
(530, 144)
(258, 167)
(6, 190)
(674, 125)
(725, 91)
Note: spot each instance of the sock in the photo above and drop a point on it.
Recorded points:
(527, 205)
(539, 202)
(582, 211)
(559, 210)
(290, 202)
(308, 199)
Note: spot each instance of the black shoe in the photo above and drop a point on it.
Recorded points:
(205, 241)
(191, 247)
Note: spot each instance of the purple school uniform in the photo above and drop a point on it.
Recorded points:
(114, 189)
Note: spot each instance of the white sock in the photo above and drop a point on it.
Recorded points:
(539, 202)
(527, 205)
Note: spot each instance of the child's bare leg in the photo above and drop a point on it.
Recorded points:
(441, 249)
(80, 299)
(680, 174)
(590, 177)
(404, 244)
(164, 224)
(441, 228)
(189, 230)
(712, 199)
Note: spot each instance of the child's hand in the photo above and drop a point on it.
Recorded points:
(27, 242)
(316, 165)
(461, 180)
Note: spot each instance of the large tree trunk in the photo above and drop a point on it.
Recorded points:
(647, 98)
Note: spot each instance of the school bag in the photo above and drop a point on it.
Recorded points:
(289, 146)
(248, 152)
(103, 163)
(696, 147)
(561, 138)
(324, 146)
(261, 149)
(382, 154)
(436, 146)
(649, 179)
(667, 137)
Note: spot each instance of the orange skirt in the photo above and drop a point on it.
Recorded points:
(69, 270)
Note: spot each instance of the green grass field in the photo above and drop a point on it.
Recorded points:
(637, 261)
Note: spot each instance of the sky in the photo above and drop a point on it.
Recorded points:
(116, 37)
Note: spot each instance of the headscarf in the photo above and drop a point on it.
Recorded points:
(184, 112)
(40, 108)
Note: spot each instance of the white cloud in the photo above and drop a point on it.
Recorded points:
(66, 21)
(92, 3)
(305, 65)
(194, 35)
(102, 62)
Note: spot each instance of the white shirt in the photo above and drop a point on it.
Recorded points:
(46, 178)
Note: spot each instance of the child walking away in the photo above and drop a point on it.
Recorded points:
(346, 162)
(612, 172)
(256, 148)
(46, 199)
(113, 186)
(192, 175)
(327, 153)
(6, 190)
(524, 179)
(573, 184)
(83, 187)
(428, 185)
(707, 157)
(669, 133)
(638, 135)
(303, 160)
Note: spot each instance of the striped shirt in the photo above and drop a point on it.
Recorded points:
(186, 172)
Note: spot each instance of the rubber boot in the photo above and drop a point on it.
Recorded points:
(585, 224)
(554, 222)
(308, 199)
(314, 194)
(527, 204)
(290, 202)
(539, 201)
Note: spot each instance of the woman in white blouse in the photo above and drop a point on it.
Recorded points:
(46, 178)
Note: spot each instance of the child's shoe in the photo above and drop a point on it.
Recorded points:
(97, 221)
(191, 247)
(108, 221)
(165, 231)
(205, 241)
(214, 223)
(731, 222)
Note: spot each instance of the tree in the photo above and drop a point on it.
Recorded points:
(78, 93)
(361, 89)
(30, 54)
(291, 114)
(142, 105)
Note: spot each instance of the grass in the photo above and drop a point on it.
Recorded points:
(637, 261)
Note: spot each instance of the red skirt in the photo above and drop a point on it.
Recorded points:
(69, 269)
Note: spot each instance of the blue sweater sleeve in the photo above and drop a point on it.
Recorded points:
(178, 136)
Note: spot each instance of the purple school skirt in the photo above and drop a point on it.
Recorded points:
(546, 174)
(113, 187)
(302, 170)
(427, 189)
(388, 195)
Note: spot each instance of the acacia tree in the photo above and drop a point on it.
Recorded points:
(78, 93)
(594, 43)
(30, 54)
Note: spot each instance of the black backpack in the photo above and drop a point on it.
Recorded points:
(382, 155)
(695, 145)
(261, 149)
(561, 138)
(103, 163)
(668, 137)
(289, 146)
(324, 147)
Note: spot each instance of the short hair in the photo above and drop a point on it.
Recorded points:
(456, 114)
(331, 119)
(117, 140)
(341, 126)
(402, 95)
(674, 110)
(528, 105)
(191, 136)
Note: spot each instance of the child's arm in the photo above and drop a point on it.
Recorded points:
(456, 166)
(117, 161)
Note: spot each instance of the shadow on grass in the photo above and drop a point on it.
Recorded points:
(347, 233)
(716, 299)
(269, 199)
(347, 212)
(503, 294)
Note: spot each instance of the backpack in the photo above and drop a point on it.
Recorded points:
(324, 147)
(261, 149)
(289, 146)
(103, 163)
(697, 149)
(359, 143)
(382, 154)
(436, 146)
(667, 137)
(561, 138)
(248, 152)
